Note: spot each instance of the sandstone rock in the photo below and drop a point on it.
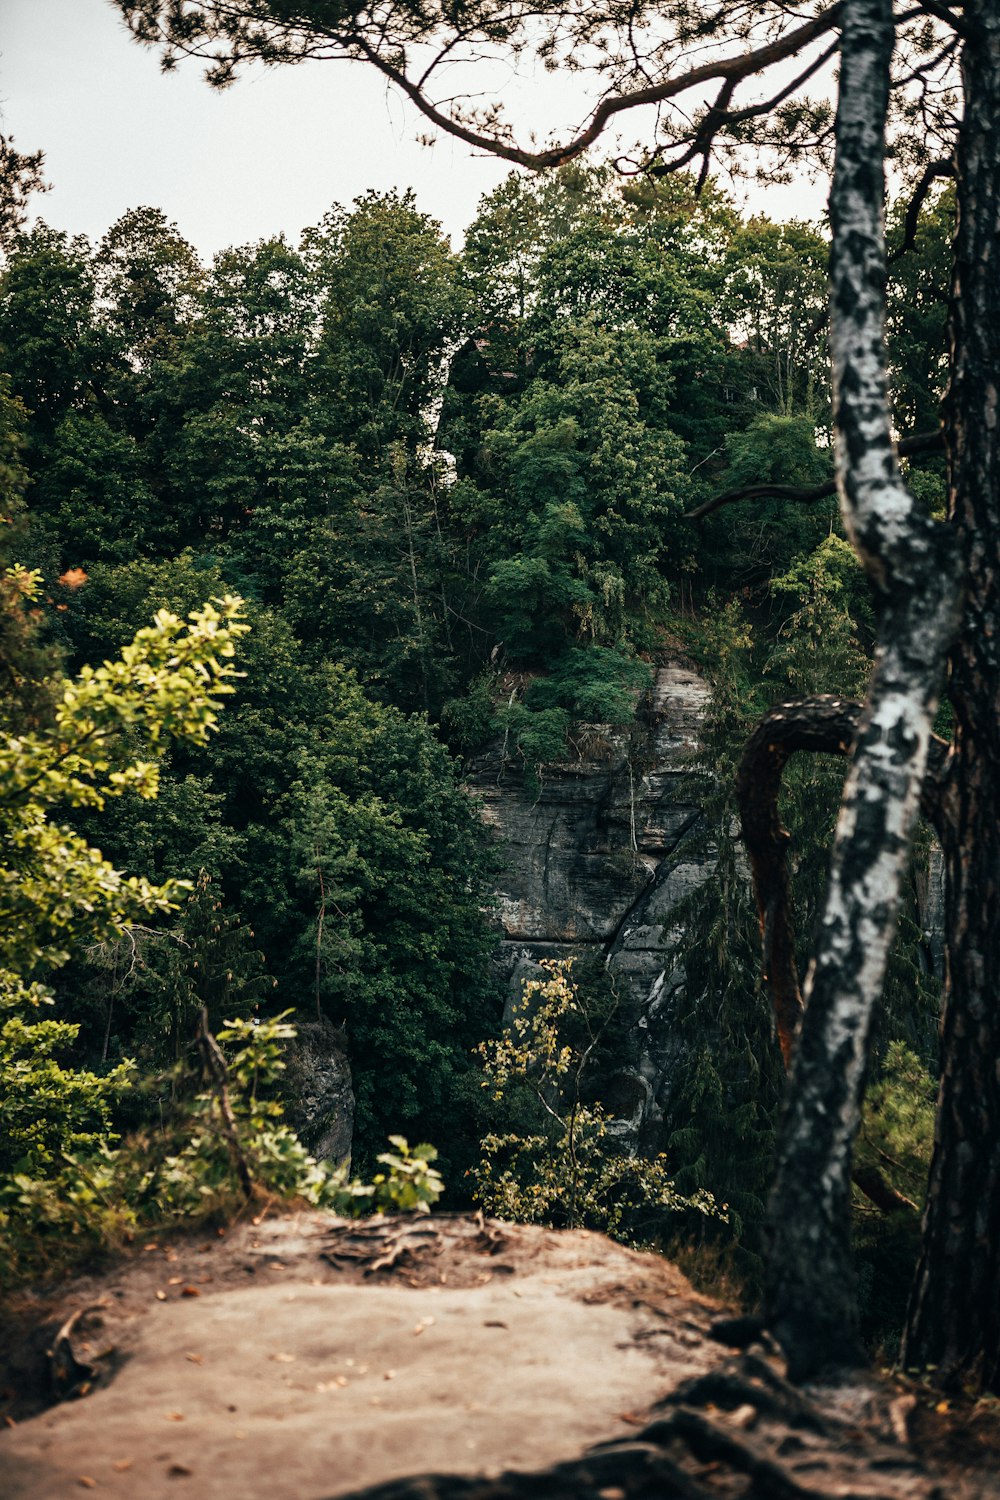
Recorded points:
(596, 865)
(318, 1088)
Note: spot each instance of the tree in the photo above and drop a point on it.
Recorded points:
(56, 890)
(20, 176)
(391, 304)
(52, 349)
(337, 830)
(148, 278)
(28, 661)
(557, 1164)
(932, 585)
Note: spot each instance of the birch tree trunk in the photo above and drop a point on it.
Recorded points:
(809, 1293)
(954, 1316)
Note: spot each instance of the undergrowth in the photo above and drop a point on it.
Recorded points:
(222, 1145)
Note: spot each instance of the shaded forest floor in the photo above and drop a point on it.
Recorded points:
(310, 1357)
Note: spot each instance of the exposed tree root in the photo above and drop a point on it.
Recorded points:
(739, 1431)
(410, 1244)
(70, 1374)
(751, 1381)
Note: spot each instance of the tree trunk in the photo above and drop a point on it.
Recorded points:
(818, 723)
(809, 1293)
(954, 1315)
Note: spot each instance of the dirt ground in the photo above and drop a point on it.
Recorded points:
(310, 1357)
(283, 1359)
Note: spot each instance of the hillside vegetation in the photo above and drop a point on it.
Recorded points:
(446, 499)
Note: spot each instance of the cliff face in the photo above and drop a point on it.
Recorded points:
(595, 866)
(600, 863)
(319, 1090)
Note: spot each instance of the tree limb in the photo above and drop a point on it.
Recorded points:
(732, 69)
(719, 117)
(908, 447)
(819, 723)
(880, 1191)
(191, 32)
(827, 724)
(951, 16)
(943, 167)
(217, 1075)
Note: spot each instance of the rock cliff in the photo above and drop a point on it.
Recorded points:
(601, 854)
(597, 863)
(319, 1091)
(601, 857)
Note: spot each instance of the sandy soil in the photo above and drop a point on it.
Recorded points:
(305, 1357)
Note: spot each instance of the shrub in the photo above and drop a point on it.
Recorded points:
(566, 1170)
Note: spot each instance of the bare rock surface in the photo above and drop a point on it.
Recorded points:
(585, 842)
(310, 1358)
(319, 1090)
(598, 863)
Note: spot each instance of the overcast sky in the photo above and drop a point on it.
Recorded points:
(272, 153)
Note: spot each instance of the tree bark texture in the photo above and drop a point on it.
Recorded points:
(954, 1315)
(819, 723)
(809, 1293)
(824, 723)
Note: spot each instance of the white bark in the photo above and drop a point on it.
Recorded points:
(810, 1302)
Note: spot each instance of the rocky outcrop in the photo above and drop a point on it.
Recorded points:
(598, 861)
(319, 1092)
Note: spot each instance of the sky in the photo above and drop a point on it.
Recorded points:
(270, 154)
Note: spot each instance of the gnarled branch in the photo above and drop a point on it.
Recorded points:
(932, 173)
(819, 723)
(827, 724)
(728, 69)
(226, 37)
(908, 447)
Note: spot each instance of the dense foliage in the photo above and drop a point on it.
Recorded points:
(452, 491)
(567, 1172)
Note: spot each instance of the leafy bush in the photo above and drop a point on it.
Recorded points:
(567, 1170)
(58, 890)
(535, 736)
(469, 721)
(190, 1170)
(595, 684)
